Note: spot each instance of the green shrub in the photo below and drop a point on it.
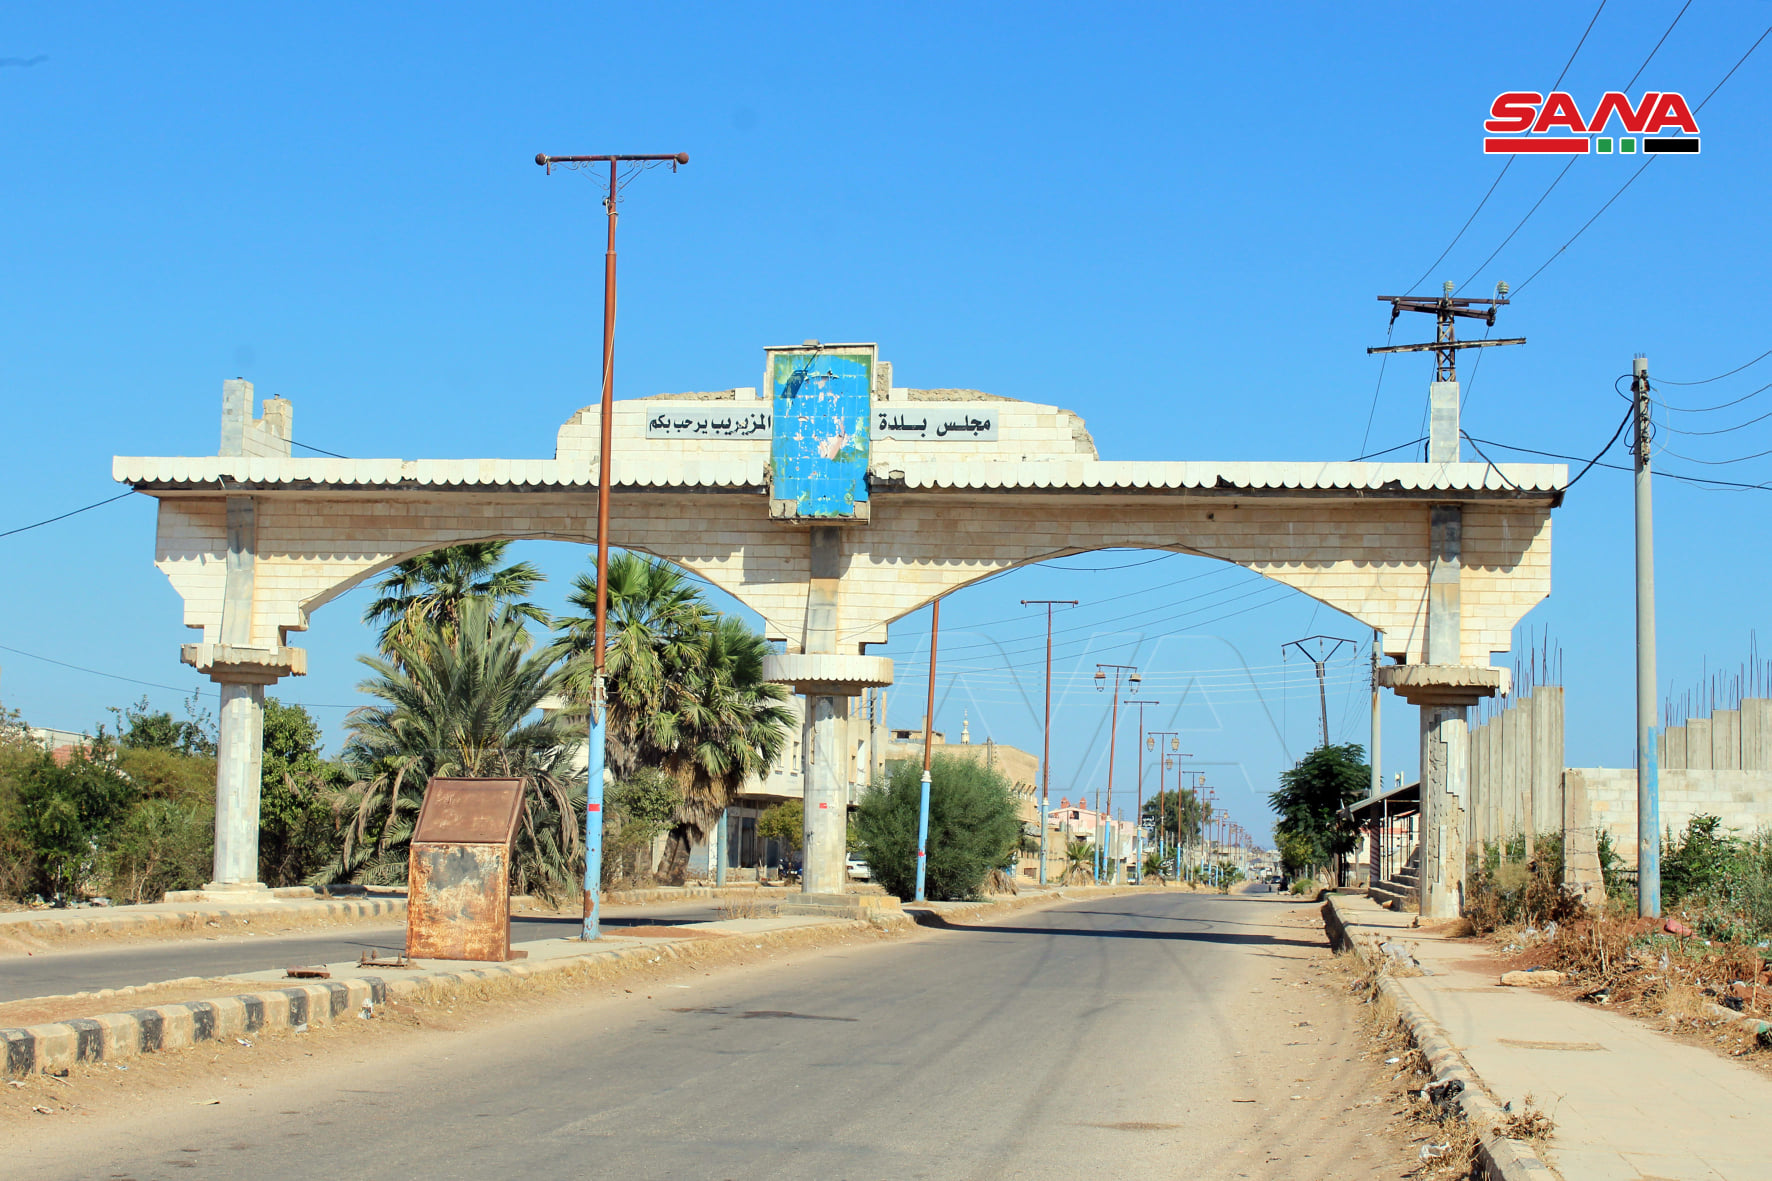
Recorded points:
(973, 827)
(161, 845)
(66, 812)
(636, 811)
(786, 822)
(1503, 887)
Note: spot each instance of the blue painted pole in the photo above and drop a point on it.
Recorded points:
(594, 754)
(923, 838)
(1042, 842)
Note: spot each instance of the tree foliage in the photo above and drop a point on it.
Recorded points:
(1312, 831)
(298, 833)
(636, 811)
(974, 826)
(142, 728)
(1161, 810)
(786, 823)
(460, 706)
(685, 689)
(425, 596)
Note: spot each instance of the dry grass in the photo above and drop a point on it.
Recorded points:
(1528, 1123)
(1444, 1142)
(744, 907)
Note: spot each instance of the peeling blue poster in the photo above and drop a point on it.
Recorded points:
(818, 455)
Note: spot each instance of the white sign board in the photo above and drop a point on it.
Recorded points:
(682, 422)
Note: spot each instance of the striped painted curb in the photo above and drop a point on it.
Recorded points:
(1501, 1159)
(56, 1047)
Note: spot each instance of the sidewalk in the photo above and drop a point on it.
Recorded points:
(1630, 1103)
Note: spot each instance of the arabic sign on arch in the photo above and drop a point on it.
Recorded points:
(683, 422)
(818, 455)
(938, 422)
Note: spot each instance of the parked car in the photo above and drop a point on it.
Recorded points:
(858, 869)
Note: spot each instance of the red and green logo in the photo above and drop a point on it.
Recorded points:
(1525, 121)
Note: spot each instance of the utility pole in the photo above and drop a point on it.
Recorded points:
(594, 753)
(1130, 672)
(1377, 659)
(1648, 758)
(1445, 311)
(1046, 731)
(1320, 659)
(1138, 813)
(928, 750)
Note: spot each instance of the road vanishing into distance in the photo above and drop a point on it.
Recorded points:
(1145, 1035)
(56, 972)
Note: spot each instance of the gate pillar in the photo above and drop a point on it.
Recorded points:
(1444, 694)
(828, 681)
(242, 674)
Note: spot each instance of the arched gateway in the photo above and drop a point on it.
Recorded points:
(834, 503)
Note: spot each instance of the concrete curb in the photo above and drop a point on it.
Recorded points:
(1502, 1159)
(937, 914)
(55, 1047)
(127, 920)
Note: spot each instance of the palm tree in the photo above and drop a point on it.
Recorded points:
(433, 588)
(686, 691)
(1079, 863)
(735, 725)
(460, 705)
(656, 626)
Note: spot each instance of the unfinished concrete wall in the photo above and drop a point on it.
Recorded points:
(1516, 770)
(1728, 740)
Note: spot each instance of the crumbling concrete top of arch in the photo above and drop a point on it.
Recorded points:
(1528, 484)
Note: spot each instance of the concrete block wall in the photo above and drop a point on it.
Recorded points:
(1742, 799)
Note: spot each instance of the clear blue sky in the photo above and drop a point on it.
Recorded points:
(1170, 219)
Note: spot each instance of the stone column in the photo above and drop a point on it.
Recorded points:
(242, 673)
(1445, 764)
(826, 795)
(239, 755)
(827, 681)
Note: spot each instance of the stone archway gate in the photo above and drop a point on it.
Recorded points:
(833, 503)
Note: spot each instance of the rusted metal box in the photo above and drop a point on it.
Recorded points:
(458, 892)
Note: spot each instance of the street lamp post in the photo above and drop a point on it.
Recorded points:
(1138, 811)
(1131, 678)
(1046, 729)
(1153, 742)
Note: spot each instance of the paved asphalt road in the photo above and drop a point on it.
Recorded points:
(1140, 1036)
(86, 968)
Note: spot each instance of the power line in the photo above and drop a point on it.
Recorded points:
(1510, 237)
(1670, 28)
(1633, 176)
(321, 450)
(1740, 426)
(1659, 473)
(1510, 163)
(1720, 376)
(180, 689)
(66, 515)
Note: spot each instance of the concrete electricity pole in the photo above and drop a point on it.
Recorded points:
(1130, 672)
(1377, 784)
(1648, 772)
(594, 753)
(1046, 729)
(1320, 659)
